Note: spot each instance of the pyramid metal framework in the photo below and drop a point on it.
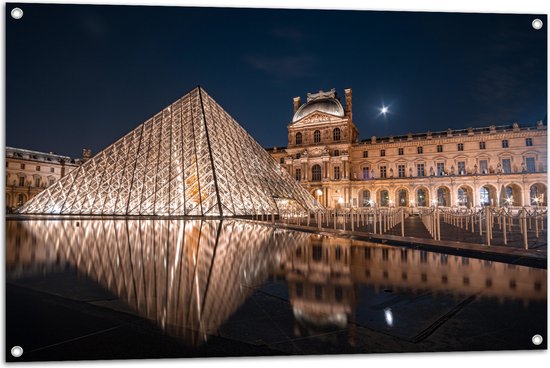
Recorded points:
(190, 159)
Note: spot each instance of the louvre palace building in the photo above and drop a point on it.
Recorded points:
(501, 165)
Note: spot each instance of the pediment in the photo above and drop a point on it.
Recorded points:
(315, 117)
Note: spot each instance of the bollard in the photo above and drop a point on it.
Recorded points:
(487, 227)
(536, 227)
(504, 230)
(525, 241)
(402, 223)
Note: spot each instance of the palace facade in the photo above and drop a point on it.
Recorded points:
(30, 172)
(495, 165)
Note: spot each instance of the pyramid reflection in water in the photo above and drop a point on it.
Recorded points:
(192, 158)
(186, 276)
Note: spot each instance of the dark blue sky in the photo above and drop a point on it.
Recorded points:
(82, 76)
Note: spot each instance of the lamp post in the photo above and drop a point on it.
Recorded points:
(319, 193)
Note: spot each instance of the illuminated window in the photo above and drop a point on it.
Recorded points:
(530, 162)
(336, 134)
(506, 166)
(401, 171)
(420, 170)
(316, 173)
(316, 136)
(336, 172)
(461, 168)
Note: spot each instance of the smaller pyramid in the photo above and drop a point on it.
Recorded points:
(190, 159)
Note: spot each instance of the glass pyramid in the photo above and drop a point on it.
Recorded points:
(190, 159)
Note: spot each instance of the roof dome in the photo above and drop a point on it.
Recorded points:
(327, 105)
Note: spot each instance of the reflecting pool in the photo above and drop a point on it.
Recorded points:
(234, 287)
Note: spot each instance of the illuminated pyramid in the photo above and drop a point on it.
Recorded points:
(191, 159)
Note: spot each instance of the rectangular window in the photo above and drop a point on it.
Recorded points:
(366, 173)
(483, 167)
(37, 182)
(506, 166)
(382, 171)
(528, 142)
(461, 168)
(382, 152)
(281, 161)
(504, 143)
(298, 175)
(401, 171)
(440, 168)
(420, 170)
(52, 181)
(400, 151)
(21, 181)
(22, 166)
(336, 172)
(419, 150)
(530, 162)
(439, 148)
(52, 170)
(365, 154)
(461, 146)
(481, 145)
(38, 168)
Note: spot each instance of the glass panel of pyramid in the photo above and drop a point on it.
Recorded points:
(190, 159)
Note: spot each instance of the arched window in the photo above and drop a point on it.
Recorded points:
(365, 200)
(384, 198)
(316, 136)
(336, 134)
(534, 194)
(421, 198)
(402, 198)
(462, 197)
(316, 173)
(20, 199)
(298, 138)
(443, 197)
(484, 198)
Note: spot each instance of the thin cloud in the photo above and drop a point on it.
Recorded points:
(284, 66)
(288, 33)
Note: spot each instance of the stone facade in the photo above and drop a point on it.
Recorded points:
(495, 165)
(30, 172)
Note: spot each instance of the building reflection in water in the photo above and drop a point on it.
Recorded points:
(324, 276)
(191, 276)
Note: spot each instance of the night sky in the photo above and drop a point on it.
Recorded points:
(83, 76)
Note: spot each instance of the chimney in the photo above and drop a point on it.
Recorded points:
(296, 104)
(86, 154)
(347, 92)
